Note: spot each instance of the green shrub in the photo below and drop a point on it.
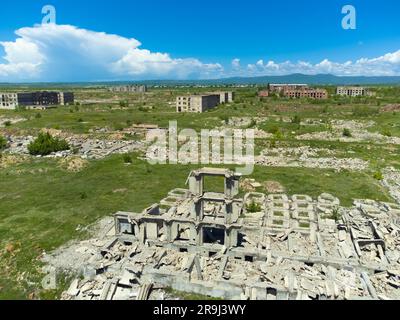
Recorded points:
(296, 119)
(3, 143)
(347, 133)
(378, 175)
(365, 111)
(127, 158)
(253, 207)
(387, 133)
(118, 127)
(336, 215)
(38, 115)
(45, 144)
(7, 123)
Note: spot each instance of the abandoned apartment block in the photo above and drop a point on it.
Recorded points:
(259, 246)
(204, 102)
(39, 99)
(129, 88)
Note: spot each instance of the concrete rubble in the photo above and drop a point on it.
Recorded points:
(308, 157)
(84, 147)
(5, 120)
(208, 243)
(359, 133)
(391, 180)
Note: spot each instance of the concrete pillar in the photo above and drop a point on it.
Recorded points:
(167, 231)
(199, 237)
(228, 211)
(196, 184)
(142, 233)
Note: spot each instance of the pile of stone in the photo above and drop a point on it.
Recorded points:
(80, 146)
(308, 157)
(358, 130)
(391, 180)
(98, 149)
(4, 121)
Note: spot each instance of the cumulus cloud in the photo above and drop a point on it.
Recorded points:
(386, 65)
(235, 64)
(53, 52)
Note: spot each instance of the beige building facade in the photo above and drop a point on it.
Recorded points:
(202, 103)
(8, 100)
(352, 91)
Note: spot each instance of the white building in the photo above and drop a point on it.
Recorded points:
(8, 100)
(352, 91)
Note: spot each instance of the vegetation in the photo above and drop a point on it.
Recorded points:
(347, 133)
(45, 144)
(30, 224)
(253, 207)
(3, 143)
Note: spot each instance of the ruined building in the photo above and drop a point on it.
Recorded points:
(353, 91)
(258, 246)
(129, 88)
(203, 102)
(35, 99)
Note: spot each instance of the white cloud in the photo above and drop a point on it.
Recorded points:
(67, 53)
(62, 52)
(235, 63)
(386, 65)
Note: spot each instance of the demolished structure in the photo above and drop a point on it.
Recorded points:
(259, 246)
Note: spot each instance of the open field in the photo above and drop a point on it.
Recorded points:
(43, 205)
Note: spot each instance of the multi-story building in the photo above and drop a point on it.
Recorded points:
(8, 100)
(202, 103)
(65, 98)
(307, 93)
(129, 88)
(352, 91)
(226, 97)
(35, 99)
(285, 87)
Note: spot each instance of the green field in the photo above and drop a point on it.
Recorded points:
(42, 205)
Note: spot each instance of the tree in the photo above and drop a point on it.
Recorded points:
(45, 144)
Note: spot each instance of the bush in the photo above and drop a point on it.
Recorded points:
(347, 133)
(296, 119)
(127, 158)
(387, 133)
(7, 123)
(378, 176)
(253, 207)
(365, 111)
(118, 127)
(45, 144)
(3, 143)
(38, 115)
(336, 215)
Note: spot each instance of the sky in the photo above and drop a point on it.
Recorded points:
(98, 40)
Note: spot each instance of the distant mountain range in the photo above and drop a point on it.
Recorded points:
(319, 79)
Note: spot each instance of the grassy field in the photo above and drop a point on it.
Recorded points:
(43, 206)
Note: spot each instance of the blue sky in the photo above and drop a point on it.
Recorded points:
(197, 39)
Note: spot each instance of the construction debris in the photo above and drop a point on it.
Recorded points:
(208, 243)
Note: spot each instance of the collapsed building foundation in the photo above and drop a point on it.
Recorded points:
(259, 246)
